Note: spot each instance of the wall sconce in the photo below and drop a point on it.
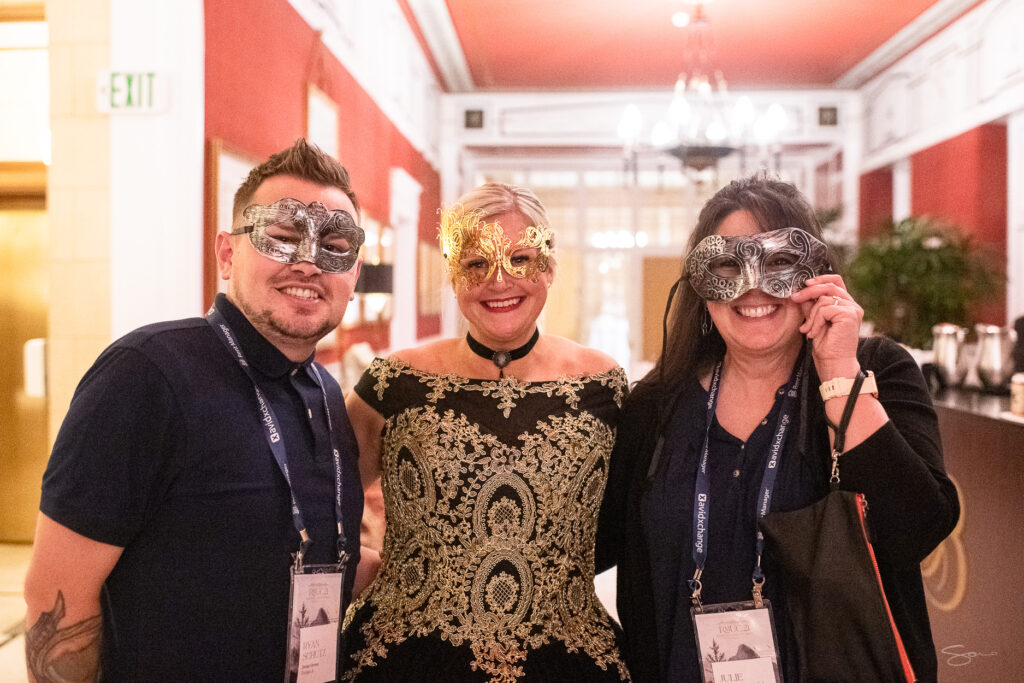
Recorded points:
(374, 286)
(374, 278)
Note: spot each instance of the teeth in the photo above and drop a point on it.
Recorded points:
(301, 292)
(755, 311)
(504, 303)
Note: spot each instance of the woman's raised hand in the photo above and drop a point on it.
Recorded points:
(832, 320)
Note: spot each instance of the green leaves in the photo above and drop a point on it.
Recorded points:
(918, 273)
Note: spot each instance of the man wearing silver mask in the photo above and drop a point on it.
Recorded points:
(736, 421)
(203, 493)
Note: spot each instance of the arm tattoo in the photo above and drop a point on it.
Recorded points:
(70, 654)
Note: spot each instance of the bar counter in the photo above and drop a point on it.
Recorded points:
(973, 580)
(982, 404)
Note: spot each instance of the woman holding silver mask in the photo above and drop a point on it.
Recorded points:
(492, 454)
(737, 420)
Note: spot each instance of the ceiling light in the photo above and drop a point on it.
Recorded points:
(680, 19)
(703, 123)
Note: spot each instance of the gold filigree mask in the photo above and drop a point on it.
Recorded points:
(474, 248)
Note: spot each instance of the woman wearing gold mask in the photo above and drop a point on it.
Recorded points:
(492, 452)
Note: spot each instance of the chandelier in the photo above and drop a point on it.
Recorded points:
(703, 123)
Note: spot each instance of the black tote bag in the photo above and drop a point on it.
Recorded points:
(841, 619)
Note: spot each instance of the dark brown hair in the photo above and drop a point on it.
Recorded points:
(301, 160)
(687, 352)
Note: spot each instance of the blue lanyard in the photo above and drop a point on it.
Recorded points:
(702, 487)
(276, 440)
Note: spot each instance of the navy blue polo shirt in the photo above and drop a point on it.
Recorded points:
(163, 453)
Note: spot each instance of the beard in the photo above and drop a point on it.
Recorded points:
(292, 331)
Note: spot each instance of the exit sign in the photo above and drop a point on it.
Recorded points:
(131, 92)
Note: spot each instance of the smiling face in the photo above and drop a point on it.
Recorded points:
(755, 322)
(502, 309)
(293, 305)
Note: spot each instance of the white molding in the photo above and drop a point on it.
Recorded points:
(968, 75)
(435, 22)
(590, 119)
(924, 27)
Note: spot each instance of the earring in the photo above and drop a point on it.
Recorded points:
(705, 322)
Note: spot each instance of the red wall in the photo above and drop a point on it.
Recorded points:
(963, 181)
(875, 202)
(260, 55)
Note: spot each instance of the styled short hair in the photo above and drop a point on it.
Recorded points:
(492, 199)
(687, 352)
(301, 160)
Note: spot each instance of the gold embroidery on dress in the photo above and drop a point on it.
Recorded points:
(383, 370)
(506, 389)
(490, 544)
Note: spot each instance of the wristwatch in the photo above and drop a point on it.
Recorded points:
(841, 386)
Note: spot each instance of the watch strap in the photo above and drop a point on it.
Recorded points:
(843, 386)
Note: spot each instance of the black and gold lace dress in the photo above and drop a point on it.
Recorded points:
(492, 490)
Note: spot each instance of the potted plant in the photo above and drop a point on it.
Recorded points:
(917, 273)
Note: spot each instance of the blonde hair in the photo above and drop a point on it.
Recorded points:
(491, 199)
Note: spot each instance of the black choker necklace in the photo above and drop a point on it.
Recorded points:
(502, 358)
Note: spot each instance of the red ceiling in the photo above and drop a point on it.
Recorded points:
(601, 44)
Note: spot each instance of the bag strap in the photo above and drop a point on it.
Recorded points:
(840, 438)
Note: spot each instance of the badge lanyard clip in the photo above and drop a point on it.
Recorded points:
(696, 586)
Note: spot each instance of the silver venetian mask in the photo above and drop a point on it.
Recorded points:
(290, 231)
(778, 262)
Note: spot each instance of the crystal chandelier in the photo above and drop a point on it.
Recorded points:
(704, 123)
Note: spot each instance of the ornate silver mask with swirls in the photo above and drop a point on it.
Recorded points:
(290, 231)
(778, 262)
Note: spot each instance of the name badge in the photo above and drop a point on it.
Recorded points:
(314, 618)
(736, 642)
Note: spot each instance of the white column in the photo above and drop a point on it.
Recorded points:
(1015, 217)
(853, 146)
(156, 167)
(405, 218)
(901, 206)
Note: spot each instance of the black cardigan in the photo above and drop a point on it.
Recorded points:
(899, 468)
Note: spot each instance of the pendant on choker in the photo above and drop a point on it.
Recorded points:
(501, 358)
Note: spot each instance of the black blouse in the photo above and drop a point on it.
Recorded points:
(645, 523)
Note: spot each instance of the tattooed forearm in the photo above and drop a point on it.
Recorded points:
(63, 654)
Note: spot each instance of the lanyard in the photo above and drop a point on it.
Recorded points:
(702, 487)
(276, 440)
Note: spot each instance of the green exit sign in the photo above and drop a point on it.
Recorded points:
(131, 92)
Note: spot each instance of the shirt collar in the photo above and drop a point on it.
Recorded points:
(258, 350)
